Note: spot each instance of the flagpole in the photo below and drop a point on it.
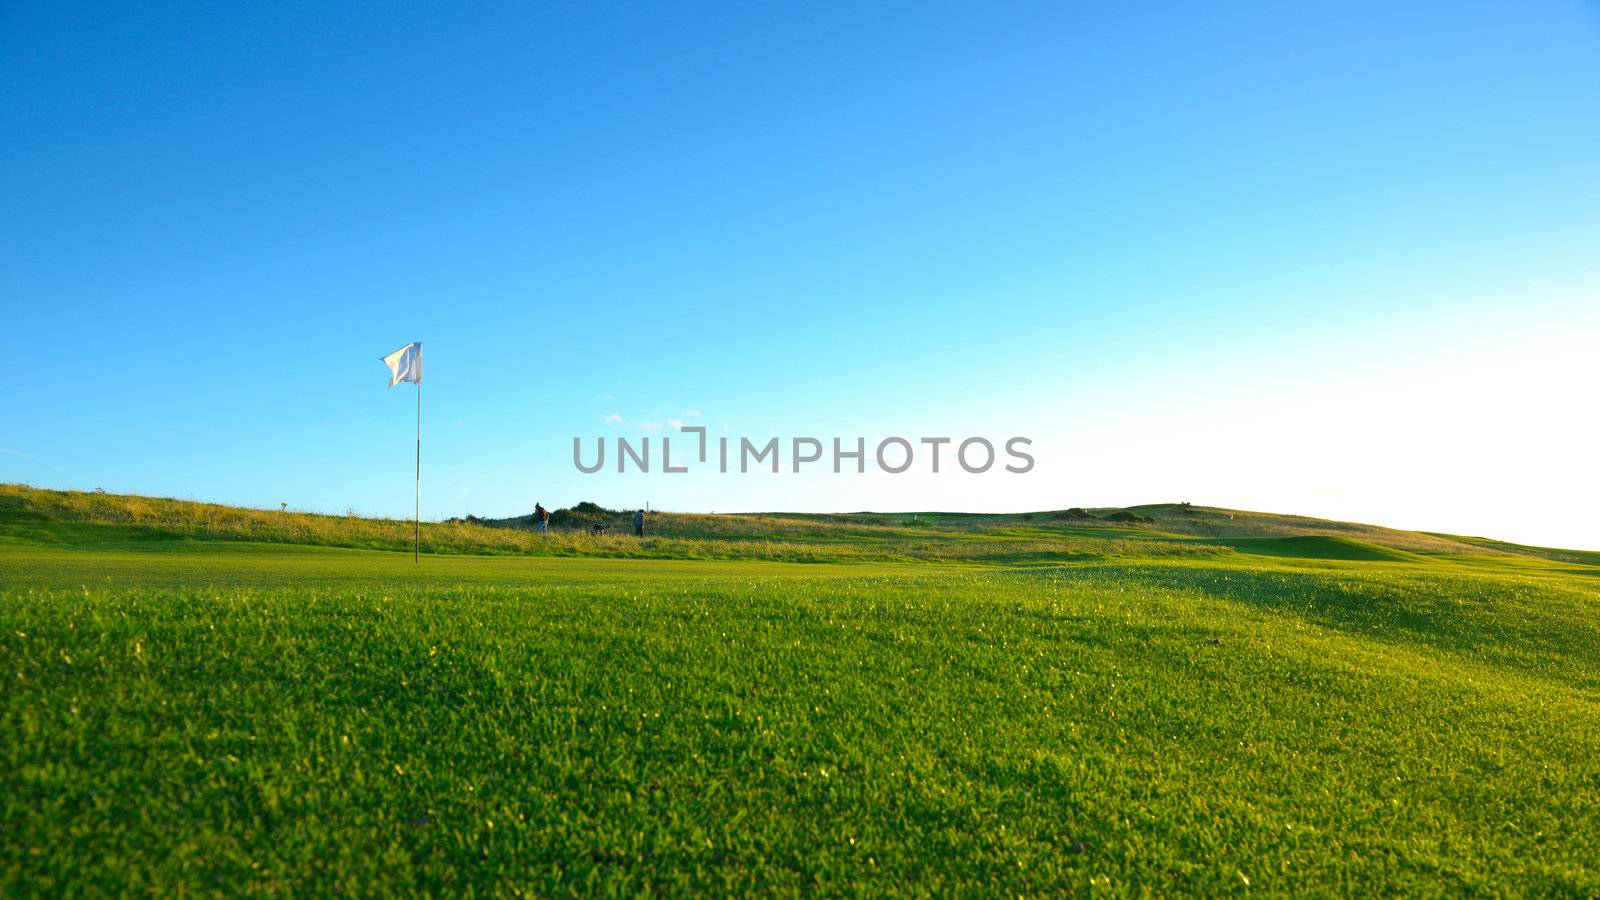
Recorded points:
(416, 522)
(405, 364)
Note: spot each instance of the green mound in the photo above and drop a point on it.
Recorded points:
(1320, 547)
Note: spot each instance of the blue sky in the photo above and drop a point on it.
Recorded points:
(1335, 259)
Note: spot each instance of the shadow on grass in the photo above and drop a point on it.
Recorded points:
(1534, 625)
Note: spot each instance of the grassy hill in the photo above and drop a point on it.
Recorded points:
(207, 699)
(35, 515)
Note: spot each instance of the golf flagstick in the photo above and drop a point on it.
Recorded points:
(416, 516)
(405, 364)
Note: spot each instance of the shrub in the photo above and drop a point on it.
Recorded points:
(583, 515)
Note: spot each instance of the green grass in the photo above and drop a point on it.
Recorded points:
(1308, 546)
(925, 703)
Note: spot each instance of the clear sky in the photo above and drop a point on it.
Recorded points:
(1337, 259)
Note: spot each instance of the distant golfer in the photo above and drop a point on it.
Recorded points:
(638, 523)
(541, 517)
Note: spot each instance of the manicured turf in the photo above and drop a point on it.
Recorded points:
(222, 717)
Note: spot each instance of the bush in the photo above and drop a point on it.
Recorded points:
(583, 516)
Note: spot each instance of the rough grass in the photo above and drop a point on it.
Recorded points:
(41, 516)
(1211, 522)
(185, 716)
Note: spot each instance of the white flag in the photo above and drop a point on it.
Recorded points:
(405, 364)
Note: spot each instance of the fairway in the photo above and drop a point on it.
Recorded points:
(190, 564)
(227, 716)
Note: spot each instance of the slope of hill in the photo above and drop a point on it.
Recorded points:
(33, 514)
(1205, 521)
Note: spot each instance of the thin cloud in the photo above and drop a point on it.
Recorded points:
(691, 413)
(15, 454)
(612, 419)
(676, 423)
(650, 426)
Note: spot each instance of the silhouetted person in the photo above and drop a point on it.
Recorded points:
(541, 517)
(638, 523)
